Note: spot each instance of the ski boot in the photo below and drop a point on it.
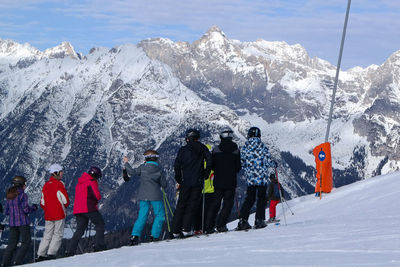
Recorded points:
(259, 223)
(222, 229)
(243, 225)
(134, 241)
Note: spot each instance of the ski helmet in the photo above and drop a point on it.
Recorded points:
(18, 180)
(254, 132)
(151, 155)
(226, 133)
(193, 134)
(95, 172)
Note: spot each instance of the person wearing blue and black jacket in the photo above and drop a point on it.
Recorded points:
(256, 163)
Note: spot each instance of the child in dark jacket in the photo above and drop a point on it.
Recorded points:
(274, 197)
(151, 179)
(17, 208)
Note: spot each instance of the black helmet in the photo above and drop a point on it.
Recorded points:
(95, 172)
(226, 133)
(272, 177)
(18, 181)
(193, 134)
(254, 132)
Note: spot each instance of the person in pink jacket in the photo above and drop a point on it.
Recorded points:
(87, 196)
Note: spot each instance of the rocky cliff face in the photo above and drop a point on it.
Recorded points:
(60, 106)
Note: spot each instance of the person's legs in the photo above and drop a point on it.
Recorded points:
(25, 231)
(58, 235)
(209, 217)
(213, 209)
(228, 196)
(248, 202)
(272, 208)
(261, 202)
(96, 218)
(159, 218)
(47, 236)
(81, 225)
(141, 219)
(12, 245)
(190, 211)
(183, 199)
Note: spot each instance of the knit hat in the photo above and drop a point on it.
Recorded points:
(55, 168)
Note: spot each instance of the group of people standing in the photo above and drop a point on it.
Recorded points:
(54, 202)
(207, 182)
(205, 177)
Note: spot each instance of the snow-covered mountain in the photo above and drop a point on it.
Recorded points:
(60, 106)
(345, 228)
(287, 93)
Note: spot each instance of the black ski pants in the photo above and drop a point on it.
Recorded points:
(82, 221)
(186, 208)
(226, 196)
(15, 233)
(252, 191)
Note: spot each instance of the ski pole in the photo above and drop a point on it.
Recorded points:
(166, 211)
(280, 194)
(202, 210)
(288, 205)
(34, 240)
(169, 206)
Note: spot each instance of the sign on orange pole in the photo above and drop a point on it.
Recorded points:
(323, 160)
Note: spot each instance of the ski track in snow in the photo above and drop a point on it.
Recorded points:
(355, 225)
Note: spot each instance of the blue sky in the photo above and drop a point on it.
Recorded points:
(373, 31)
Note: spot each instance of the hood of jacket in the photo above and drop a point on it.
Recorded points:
(85, 177)
(227, 145)
(195, 147)
(254, 143)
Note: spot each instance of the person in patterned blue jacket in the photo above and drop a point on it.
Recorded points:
(256, 162)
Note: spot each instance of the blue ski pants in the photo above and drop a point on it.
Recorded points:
(159, 218)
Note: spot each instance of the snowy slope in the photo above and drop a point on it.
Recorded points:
(355, 225)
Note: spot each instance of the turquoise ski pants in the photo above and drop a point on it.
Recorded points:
(159, 218)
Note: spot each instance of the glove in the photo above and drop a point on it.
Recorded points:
(35, 207)
(1, 208)
(1, 227)
(125, 175)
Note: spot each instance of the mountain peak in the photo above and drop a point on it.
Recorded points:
(215, 29)
(61, 51)
(213, 38)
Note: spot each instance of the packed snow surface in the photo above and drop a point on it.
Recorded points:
(355, 225)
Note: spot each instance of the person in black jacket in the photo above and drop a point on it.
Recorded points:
(274, 197)
(226, 165)
(190, 175)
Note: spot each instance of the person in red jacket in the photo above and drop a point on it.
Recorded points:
(54, 202)
(87, 196)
